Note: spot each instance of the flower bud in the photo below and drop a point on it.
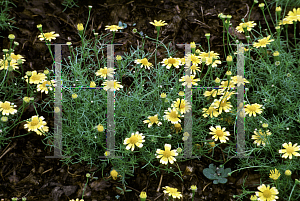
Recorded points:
(288, 173)
(261, 5)
(143, 196)
(74, 96)
(19, 61)
(11, 36)
(4, 119)
(80, 27)
(207, 35)
(28, 73)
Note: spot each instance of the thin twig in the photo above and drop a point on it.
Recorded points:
(161, 176)
(206, 186)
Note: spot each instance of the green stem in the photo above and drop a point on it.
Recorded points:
(113, 37)
(287, 36)
(246, 168)
(178, 168)
(156, 44)
(295, 23)
(266, 21)
(84, 187)
(292, 191)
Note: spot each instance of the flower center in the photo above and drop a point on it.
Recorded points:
(35, 77)
(167, 153)
(144, 61)
(153, 119)
(219, 133)
(252, 108)
(104, 71)
(6, 106)
(47, 35)
(34, 121)
(133, 139)
(290, 149)
(182, 105)
(267, 193)
(111, 84)
(172, 190)
(188, 79)
(173, 114)
(171, 61)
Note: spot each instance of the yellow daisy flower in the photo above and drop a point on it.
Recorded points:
(159, 23)
(136, 139)
(225, 83)
(15, 57)
(266, 193)
(209, 54)
(214, 64)
(176, 62)
(227, 95)
(219, 133)
(181, 105)
(194, 68)
(260, 138)
(35, 123)
(189, 80)
(274, 174)
(194, 59)
(239, 80)
(263, 42)
(166, 155)
(285, 21)
(103, 72)
(36, 78)
(113, 27)
(152, 120)
(45, 85)
(289, 150)
(144, 63)
(172, 192)
(210, 111)
(7, 109)
(4, 65)
(112, 85)
(49, 36)
(249, 26)
(253, 109)
(172, 115)
(222, 105)
(213, 92)
(294, 15)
